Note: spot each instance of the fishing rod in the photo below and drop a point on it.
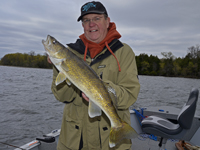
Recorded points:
(12, 145)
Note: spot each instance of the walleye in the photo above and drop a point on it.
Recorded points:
(73, 69)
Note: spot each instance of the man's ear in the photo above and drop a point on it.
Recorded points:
(108, 22)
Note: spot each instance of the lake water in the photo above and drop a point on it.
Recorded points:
(28, 108)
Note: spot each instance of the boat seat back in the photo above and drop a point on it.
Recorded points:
(186, 115)
(165, 128)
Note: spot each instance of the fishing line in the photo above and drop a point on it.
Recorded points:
(12, 145)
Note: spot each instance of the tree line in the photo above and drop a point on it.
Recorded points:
(169, 65)
(26, 60)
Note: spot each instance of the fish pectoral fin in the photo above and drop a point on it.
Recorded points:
(94, 110)
(60, 78)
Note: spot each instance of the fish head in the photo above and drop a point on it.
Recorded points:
(52, 46)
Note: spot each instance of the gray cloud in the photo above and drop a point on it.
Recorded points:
(149, 27)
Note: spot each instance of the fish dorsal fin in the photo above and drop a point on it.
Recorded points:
(112, 93)
(94, 110)
(60, 78)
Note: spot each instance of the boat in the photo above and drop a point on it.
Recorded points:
(145, 140)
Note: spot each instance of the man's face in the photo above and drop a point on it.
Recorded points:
(95, 27)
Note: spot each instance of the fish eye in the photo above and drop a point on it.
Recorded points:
(54, 41)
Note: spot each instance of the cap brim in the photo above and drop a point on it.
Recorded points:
(90, 12)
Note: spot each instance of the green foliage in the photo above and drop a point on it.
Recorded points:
(26, 60)
(169, 65)
(147, 65)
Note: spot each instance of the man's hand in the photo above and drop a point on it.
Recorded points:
(85, 97)
(49, 60)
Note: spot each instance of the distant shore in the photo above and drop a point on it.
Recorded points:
(169, 66)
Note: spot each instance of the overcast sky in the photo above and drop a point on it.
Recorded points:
(148, 26)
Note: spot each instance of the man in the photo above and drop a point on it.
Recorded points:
(115, 64)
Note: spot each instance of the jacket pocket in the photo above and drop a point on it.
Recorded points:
(71, 133)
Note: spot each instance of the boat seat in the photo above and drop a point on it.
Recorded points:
(165, 128)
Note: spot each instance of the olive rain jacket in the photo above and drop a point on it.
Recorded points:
(76, 122)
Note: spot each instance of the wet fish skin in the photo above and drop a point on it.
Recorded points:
(74, 70)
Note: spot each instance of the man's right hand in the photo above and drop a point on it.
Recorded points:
(85, 97)
(49, 60)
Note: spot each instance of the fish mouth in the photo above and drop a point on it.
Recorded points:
(47, 42)
(43, 42)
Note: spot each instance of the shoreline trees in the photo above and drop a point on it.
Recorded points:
(26, 60)
(169, 65)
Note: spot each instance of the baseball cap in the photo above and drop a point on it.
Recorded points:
(92, 7)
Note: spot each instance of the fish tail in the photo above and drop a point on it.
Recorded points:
(120, 133)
